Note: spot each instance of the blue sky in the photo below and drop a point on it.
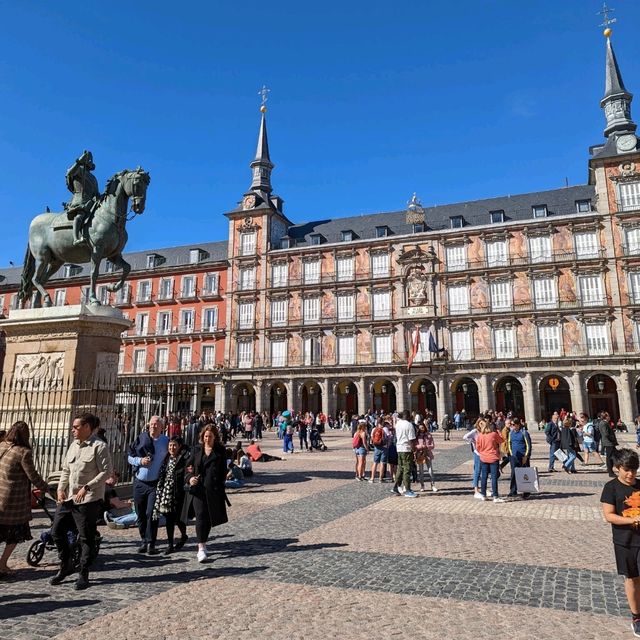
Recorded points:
(370, 101)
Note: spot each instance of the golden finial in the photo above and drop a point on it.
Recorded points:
(607, 20)
(264, 95)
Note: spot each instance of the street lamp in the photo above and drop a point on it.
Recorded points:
(465, 388)
(423, 388)
(278, 391)
(600, 385)
(508, 386)
(245, 391)
(384, 388)
(312, 390)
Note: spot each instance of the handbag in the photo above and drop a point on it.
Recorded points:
(527, 480)
(560, 455)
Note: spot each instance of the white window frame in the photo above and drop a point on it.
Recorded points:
(504, 343)
(185, 358)
(545, 293)
(383, 346)
(248, 243)
(598, 339)
(380, 265)
(121, 357)
(278, 350)
(550, 341)
(311, 271)
(188, 291)
(207, 325)
(141, 297)
(162, 363)
(540, 249)
(629, 196)
(245, 354)
(632, 238)
(142, 324)
(247, 278)
(346, 350)
(497, 252)
(586, 244)
(163, 318)
(311, 310)
(456, 257)
(461, 344)
(139, 361)
(279, 274)
(211, 284)
(346, 307)
(208, 357)
(501, 296)
(187, 321)
(59, 298)
(246, 315)
(591, 290)
(381, 305)
(345, 268)
(165, 295)
(312, 353)
(279, 312)
(458, 298)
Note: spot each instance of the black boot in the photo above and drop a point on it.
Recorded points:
(65, 570)
(83, 580)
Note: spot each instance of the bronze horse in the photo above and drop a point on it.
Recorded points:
(51, 238)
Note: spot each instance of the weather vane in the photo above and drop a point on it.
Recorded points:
(607, 20)
(264, 96)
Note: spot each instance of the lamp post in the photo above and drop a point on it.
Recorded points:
(465, 388)
(508, 386)
(600, 385)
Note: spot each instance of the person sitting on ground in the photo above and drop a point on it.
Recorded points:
(235, 478)
(256, 455)
(117, 510)
(245, 465)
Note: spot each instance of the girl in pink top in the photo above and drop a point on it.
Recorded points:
(488, 448)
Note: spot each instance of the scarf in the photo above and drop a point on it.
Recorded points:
(166, 489)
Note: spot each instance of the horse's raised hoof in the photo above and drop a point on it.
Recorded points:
(46, 302)
(94, 302)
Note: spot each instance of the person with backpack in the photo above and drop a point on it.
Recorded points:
(380, 450)
(552, 435)
(360, 447)
(608, 439)
(588, 440)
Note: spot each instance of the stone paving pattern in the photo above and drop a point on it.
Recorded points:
(309, 550)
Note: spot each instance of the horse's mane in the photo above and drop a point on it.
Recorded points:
(112, 182)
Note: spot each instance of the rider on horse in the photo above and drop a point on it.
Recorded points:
(84, 186)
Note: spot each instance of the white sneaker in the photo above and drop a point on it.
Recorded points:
(434, 489)
(478, 496)
(489, 493)
(202, 555)
(498, 500)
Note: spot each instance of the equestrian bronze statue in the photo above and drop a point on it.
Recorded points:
(91, 228)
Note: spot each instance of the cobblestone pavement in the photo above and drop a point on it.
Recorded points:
(308, 546)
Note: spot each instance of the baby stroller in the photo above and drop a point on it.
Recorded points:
(37, 548)
(317, 442)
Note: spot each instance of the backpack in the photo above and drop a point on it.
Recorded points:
(357, 441)
(377, 437)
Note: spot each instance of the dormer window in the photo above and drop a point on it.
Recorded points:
(539, 211)
(109, 267)
(583, 206)
(418, 227)
(457, 222)
(196, 255)
(154, 260)
(496, 217)
(382, 231)
(316, 239)
(285, 243)
(346, 236)
(71, 270)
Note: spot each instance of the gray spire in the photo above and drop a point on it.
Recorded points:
(617, 100)
(262, 165)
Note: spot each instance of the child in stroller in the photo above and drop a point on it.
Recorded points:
(316, 441)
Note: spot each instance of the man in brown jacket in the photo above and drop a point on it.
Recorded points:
(85, 470)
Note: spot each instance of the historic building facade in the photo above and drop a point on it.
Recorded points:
(528, 303)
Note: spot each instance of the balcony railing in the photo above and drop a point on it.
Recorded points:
(182, 329)
(627, 205)
(327, 278)
(458, 310)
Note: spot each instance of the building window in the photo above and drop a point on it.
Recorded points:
(458, 299)
(279, 274)
(109, 267)
(245, 315)
(497, 253)
(184, 358)
(103, 294)
(210, 319)
(545, 295)
(418, 227)
(629, 196)
(345, 268)
(583, 206)
(456, 222)
(142, 324)
(633, 242)
(211, 281)
(278, 353)
(279, 312)
(144, 291)
(591, 290)
(124, 295)
(187, 320)
(59, 297)
(84, 295)
(382, 231)
(14, 302)
(286, 243)
(461, 344)
(597, 340)
(550, 341)
(121, 362)
(71, 270)
(380, 265)
(311, 310)
(346, 307)
(208, 357)
(381, 305)
(247, 278)
(245, 354)
(634, 287)
(539, 211)
(154, 260)
(248, 243)
(139, 360)
(346, 350)
(496, 217)
(423, 354)
(504, 342)
(312, 272)
(346, 236)
(163, 323)
(194, 256)
(316, 239)
(188, 289)
(540, 248)
(586, 245)
(384, 349)
(311, 351)
(500, 296)
(166, 289)
(456, 257)
(162, 359)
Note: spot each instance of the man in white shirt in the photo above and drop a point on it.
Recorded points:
(405, 444)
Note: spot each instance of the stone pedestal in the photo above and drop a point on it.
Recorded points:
(59, 362)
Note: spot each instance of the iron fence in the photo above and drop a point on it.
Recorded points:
(123, 405)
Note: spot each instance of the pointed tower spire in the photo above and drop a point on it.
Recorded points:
(262, 166)
(617, 100)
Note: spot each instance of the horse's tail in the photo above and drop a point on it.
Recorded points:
(26, 280)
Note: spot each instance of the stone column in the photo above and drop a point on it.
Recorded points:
(362, 395)
(401, 394)
(625, 398)
(578, 403)
(220, 397)
(326, 391)
(195, 397)
(530, 393)
(293, 399)
(484, 393)
(259, 395)
(441, 403)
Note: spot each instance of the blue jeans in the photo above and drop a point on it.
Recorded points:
(128, 520)
(569, 463)
(287, 442)
(476, 470)
(485, 468)
(553, 447)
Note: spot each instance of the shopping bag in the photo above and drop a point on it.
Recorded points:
(560, 455)
(527, 480)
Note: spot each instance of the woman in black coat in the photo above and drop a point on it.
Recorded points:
(205, 477)
(569, 444)
(170, 492)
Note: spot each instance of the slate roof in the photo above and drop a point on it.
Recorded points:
(559, 202)
(173, 257)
